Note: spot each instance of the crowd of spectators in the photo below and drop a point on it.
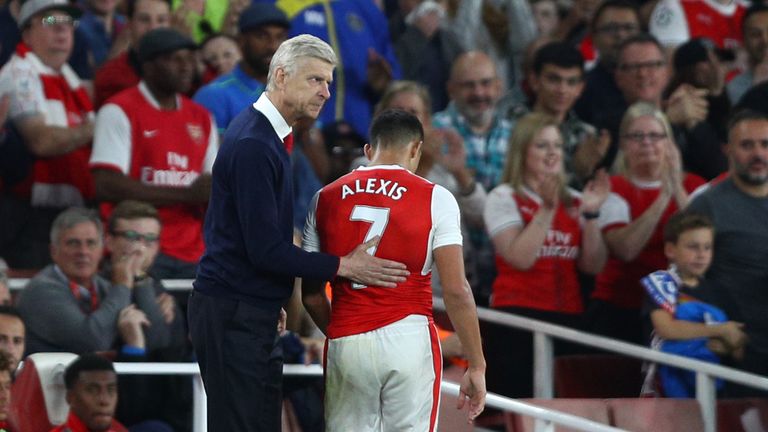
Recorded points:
(569, 131)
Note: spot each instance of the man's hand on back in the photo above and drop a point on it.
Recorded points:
(363, 268)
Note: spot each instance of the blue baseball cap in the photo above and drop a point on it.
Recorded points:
(261, 14)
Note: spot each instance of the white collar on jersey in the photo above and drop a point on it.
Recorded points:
(372, 167)
(266, 107)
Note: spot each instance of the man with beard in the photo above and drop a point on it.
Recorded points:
(154, 145)
(475, 89)
(738, 207)
(263, 27)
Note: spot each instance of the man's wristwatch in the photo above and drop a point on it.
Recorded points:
(590, 215)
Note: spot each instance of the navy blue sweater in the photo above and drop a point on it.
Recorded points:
(248, 228)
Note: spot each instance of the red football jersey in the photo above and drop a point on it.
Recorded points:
(160, 148)
(674, 22)
(619, 282)
(411, 215)
(552, 283)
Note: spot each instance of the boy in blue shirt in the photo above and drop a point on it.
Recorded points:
(684, 323)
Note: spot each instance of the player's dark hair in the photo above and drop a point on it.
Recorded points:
(559, 54)
(756, 8)
(614, 4)
(130, 7)
(85, 363)
(394, 127)
(683, 222)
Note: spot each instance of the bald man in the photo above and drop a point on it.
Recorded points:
(475, 90)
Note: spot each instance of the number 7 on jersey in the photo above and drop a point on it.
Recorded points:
(378, 217)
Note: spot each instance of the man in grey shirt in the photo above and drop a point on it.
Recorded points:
(738, 207)
(69, 307)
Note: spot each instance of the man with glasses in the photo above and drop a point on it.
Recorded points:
(133, 231)
(155, 145)
(68, 307)
(52, 112)
(641, 74)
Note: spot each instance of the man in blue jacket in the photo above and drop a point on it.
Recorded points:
(247, 271)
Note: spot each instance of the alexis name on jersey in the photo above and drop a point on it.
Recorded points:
(389, 188)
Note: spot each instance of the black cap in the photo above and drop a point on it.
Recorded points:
(261, 14)
(695, 51)
(162, 41)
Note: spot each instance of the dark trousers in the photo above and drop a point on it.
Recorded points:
(240, 362)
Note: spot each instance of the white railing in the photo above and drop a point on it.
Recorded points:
(543, 383)
(16, 284)
(543, 332)
(547, 416)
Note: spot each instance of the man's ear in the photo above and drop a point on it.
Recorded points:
(280, 77)
(416, 149)
(368, 150)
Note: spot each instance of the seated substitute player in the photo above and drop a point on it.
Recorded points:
(383, 365)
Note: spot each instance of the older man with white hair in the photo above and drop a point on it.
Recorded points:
(246, 273)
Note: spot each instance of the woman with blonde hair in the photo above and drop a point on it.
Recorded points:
(649, 187)
(544, 233)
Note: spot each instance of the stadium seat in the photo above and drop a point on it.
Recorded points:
(38, 400)
(591, 409)
(656, 414)
(597, 376)
(730, 412)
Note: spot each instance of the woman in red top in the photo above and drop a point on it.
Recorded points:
(543, 233)
(650, 188)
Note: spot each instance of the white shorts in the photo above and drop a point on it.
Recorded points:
(384, 380)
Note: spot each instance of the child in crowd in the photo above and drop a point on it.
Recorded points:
(684, 323)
